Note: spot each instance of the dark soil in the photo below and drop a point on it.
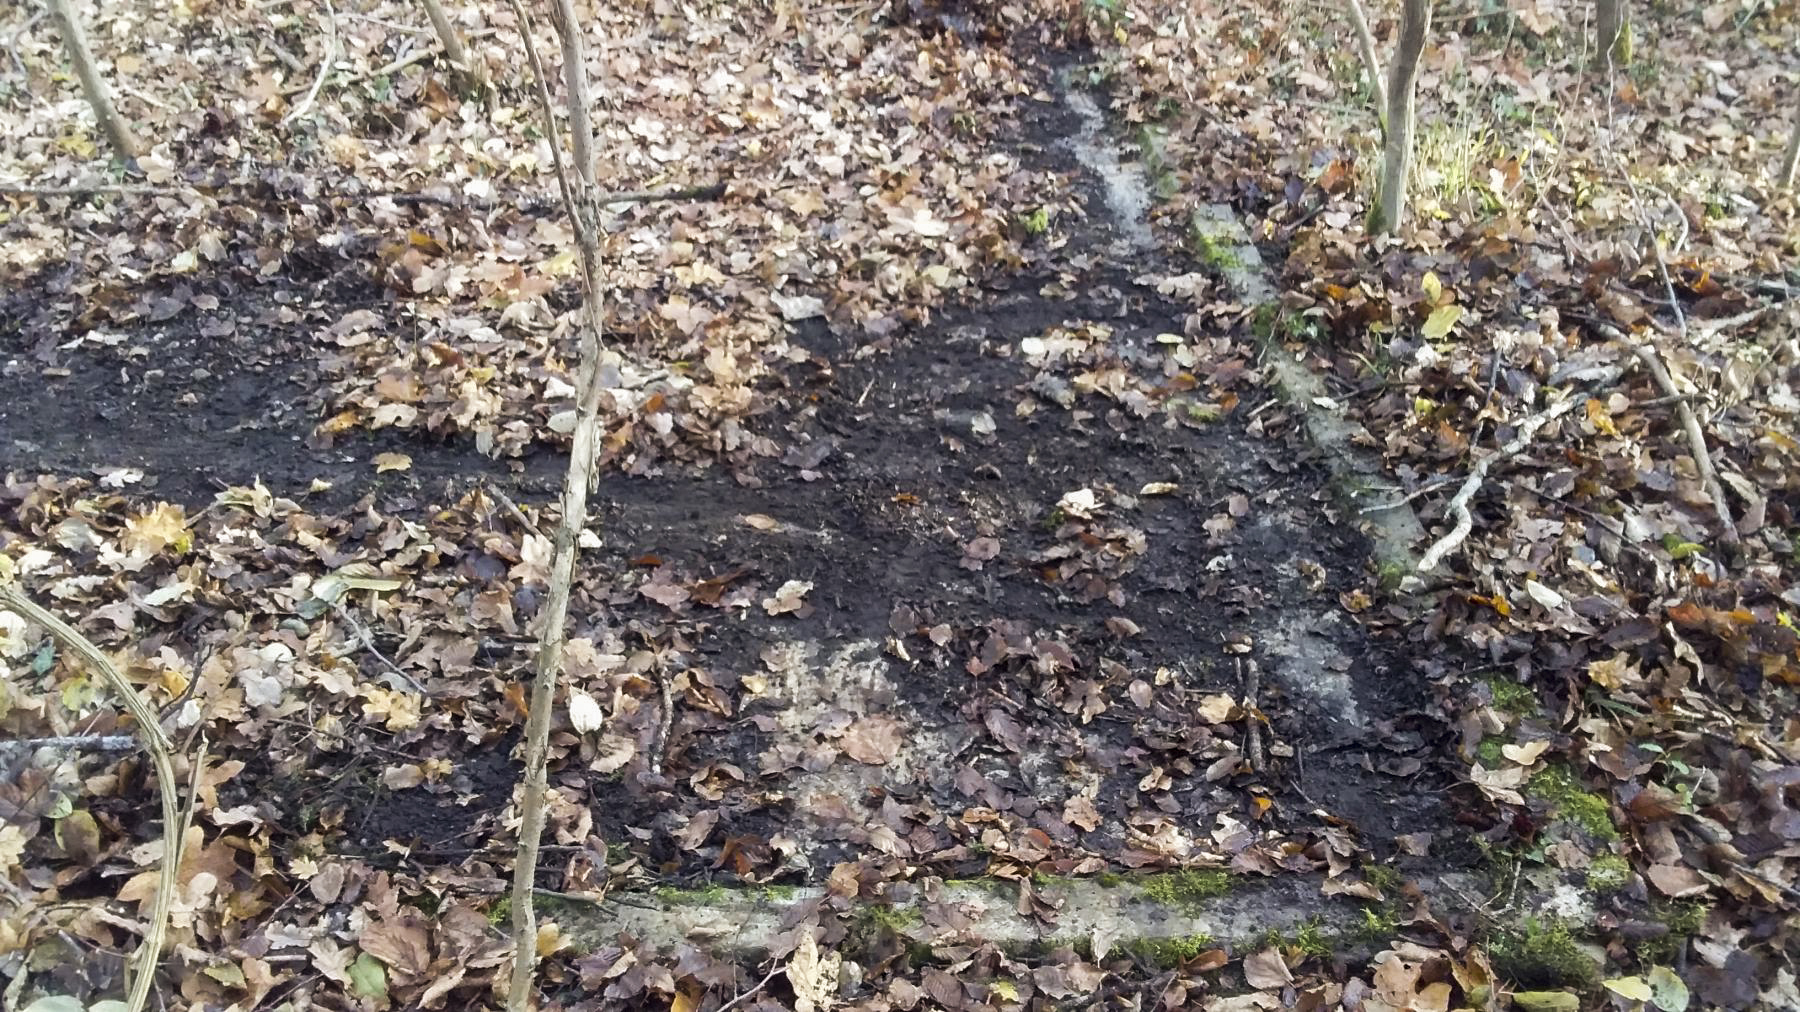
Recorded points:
(887, 480)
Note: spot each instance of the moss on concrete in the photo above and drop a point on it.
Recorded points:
(1557, 786)
(1542, 955)
(1313, 940)
(676, 896)
(1186, 889)
(1390, 573)
(1168, 953)
(1608, 873)
(1215, 253)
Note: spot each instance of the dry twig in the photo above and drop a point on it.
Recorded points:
(1690, 422)
(1459, 503)
(1250, 681)
(143, 973)
(664, 723)
(747, 995)
(331, 55)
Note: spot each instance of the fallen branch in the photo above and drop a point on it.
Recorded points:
(368, 641)
(747, 995)
(665, 722)
(1459, 503)
(1250, 681)
(1684, 410)
(143, 974)
(74, 742)
(331, 55)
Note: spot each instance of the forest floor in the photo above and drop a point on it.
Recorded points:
(957, 535)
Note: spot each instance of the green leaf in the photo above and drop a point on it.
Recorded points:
(1634, 988)
(1437, 326)
(368, 978)
(1434, 289)
(1667, 990)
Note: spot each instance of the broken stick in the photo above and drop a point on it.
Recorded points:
(1459, 503)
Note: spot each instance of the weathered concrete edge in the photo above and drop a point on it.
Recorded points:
(745, 920)
(1356, 474)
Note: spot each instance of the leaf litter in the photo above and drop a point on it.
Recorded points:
(1021, 529)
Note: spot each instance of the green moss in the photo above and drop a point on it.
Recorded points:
(1036, 223)
(1683, 921)
(1205, 414)
(1309, 940)
(1270, 321)
(1557, 786)
(780, 892)
(1382, 877)
(1542, 955)
(1312, 940)
(1390, 574)
(875, 926)
(886, 916)
(1265, 322)
(1109, 879)
(1489, 751)
(1150, 143)
(677, 897)
(1608, 873)
(1380, 923)
(1511, 697)
(1212, 252)
(1187, 888)
(1683, 918)
(1168, 953)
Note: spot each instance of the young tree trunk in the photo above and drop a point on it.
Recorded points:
(1791, 160)
(1612, 33)
(581, 198)
(1365, 44)
(467, 72)
(118, 134)
(1403, 74)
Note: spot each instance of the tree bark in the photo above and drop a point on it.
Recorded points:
(1403, 75)
(467, 72)
(1365, 44)
(1612, 33)
(118, 134)
(581, 198)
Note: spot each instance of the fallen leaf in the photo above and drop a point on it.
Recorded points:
(585, 714)
(873, 740)
(385, 462)
(1676, 880)
(1525, 754)
(788, 599)
(1266, 970)
(813, 975)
